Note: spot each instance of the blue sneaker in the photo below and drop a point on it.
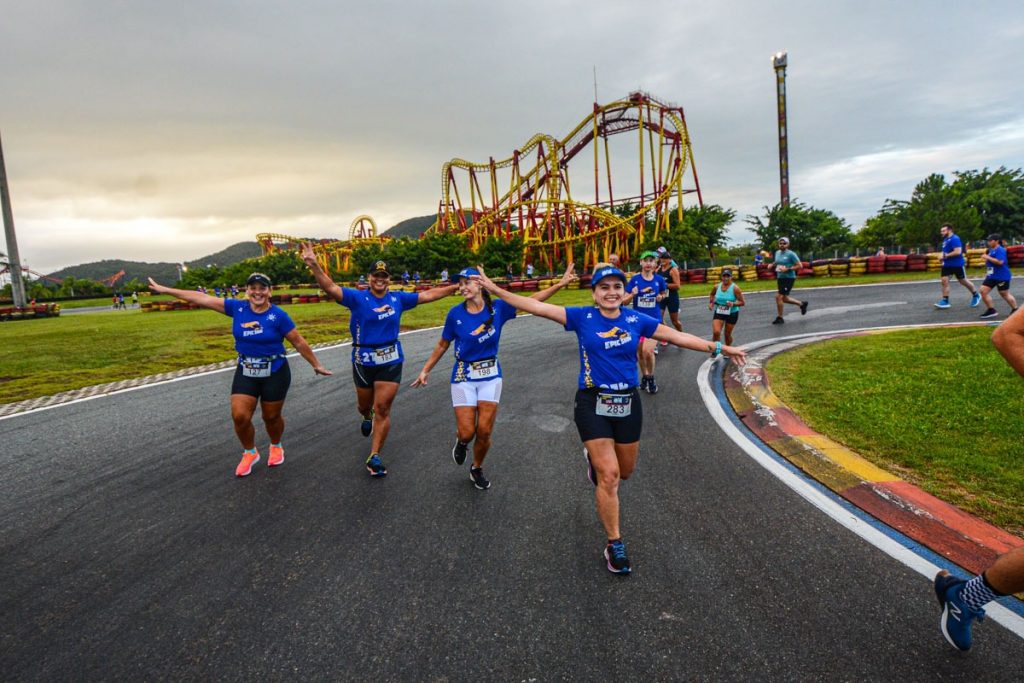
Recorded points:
(956, 614)
(975, 299)
(366, 426)
(942, 303)
(615, 555)
(375, 466)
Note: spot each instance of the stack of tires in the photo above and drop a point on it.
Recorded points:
(714, 275)
(517, 285)
(697, 276)
(934, 262)
(531, 285)
(820, 267)
(748, 273)
(806, 270)
(917, 262)
(763, 273)
(976, 258)
(839, 267)
(896, 263)
(876, 264)
(1015, 255)
(858, 265)
(584, 282)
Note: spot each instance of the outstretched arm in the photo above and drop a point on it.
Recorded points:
(1009, 341)
(689, 341)
(568, 276)
(523, 303)
(193, 297)
(306, 351)
(435, 293)
(442, 346)
(326, 283)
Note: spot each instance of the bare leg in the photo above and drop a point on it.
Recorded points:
(487, 412)
(383, 397)
(945, 286)
(728, 333)
(1006, 574)
(1009, 341)
(986, 297)
(1008, 298)
(272, 419)
(242, 408)
(612, 462)
(716, 330)
(968, 284)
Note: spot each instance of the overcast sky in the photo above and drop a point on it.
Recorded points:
(162, 131)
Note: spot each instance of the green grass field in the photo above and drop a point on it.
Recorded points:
(938, 407)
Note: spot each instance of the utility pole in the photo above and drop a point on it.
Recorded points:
(779, 60)
(17, 284)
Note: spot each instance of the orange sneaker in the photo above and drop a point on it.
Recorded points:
(245, 465)
(276, 456)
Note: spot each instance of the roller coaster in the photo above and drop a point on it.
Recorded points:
(529, 194)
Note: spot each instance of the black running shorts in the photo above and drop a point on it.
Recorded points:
(729, 318)
(365, 375)
(590, 425)
(959, 272)
(273, 388)
(785, 285)
(1001, 285)
(671, 302)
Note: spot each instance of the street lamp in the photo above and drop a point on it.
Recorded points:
(779, 60)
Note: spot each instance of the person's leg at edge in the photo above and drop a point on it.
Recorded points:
(986, 297)
(465, 422)
(487, 412)
(674, 317)
(779, 298)
(612, 462)
(364, 400)
(967, 284)
(1008, 298)
(945, 287)
(243, 406)
(272, 419)
(383, 396)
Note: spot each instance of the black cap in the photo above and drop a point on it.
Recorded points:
(726, 271)
(380, 267)
(995, 236)
(258, 278)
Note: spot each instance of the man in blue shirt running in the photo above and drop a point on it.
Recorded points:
(954, 265)
(997, 276)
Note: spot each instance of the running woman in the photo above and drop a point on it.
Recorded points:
(725, 301)
(377, 356)
(954, 265)
(785, 266)
(262, 375)
(475, 326)
(997, 276)
(608, 411)
(669, 270)
(646, 289)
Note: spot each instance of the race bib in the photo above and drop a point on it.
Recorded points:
(255, 367)
(614, 405)
(385, 354)
(647, 302)
(483, 369)
(990, 270)
(723, 309)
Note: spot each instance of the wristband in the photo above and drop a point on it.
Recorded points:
(718, 350)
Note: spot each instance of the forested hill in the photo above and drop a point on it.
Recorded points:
(166, 272)
(411, 227)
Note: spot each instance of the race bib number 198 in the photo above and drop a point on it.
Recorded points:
(483, 369)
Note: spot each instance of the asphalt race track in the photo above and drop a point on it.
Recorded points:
(131, 552)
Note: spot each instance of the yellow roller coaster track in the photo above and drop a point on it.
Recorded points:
(537, 204)
(329, 252)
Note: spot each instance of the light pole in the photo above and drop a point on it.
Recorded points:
(779, 62)
(17, 284)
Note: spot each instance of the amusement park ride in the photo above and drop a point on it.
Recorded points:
(530, 194)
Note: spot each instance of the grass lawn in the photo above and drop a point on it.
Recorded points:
(939, 407)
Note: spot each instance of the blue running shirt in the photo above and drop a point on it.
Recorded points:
(375, 324)
(1001, 273)
(948, 245)
(258, 335)
(608, 345)
(476, 341)
(647, 291)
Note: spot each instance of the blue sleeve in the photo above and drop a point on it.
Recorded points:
(572, 317)
(504, 311)
(409, 300)
(955, 242)
(229, 309)
(284, 321)
(632, 284)
(448, 332)
(350, 299)
(648, 325)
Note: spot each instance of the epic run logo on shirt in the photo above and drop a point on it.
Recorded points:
(620, 337)
(251, 329)
(384, 311)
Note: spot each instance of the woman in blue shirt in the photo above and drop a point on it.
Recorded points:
(475, 327)
(607, 410)
(262, 375)
(997, 276)
(377, 357)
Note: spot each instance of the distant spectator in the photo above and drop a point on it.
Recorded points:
(880, 252)
(529, 270)
(444, 276)
(508, 271)
(135, 299)
(405, 277)
(416, 277)
(614, 260)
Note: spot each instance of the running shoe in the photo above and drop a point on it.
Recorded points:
(591, 474)
(459, 452)
(957, 615)
(643, 383)
(375, 466)
(989, 313)
(942, 303)
(366, 426)
(615, 554)
(244, 468)
(975, 300)
(479, 480)
(656, 347)
(652, 386)
(778, 320)
(803, 308)
(276, 456)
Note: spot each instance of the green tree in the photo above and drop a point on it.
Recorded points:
(497, 253)
(996, 196)
(810, 230)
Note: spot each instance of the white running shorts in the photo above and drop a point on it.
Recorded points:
(470, 393)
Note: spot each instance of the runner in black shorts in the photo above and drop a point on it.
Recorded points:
(377, 356)
(608, 410)
(725, 301)
(669, 269)
(997, 276)
(262, 375)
